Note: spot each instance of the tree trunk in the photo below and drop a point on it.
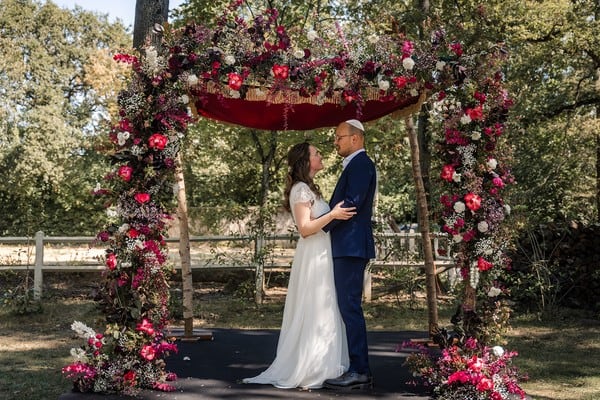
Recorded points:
(430, 272)
(267, 159)
(184, 251)
(148, 13)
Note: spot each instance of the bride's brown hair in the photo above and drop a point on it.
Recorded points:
(298, 160)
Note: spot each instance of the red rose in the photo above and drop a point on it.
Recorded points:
(472, 201)
(111, 261)
(235, 81)
(447, 173)
(133, 233)
(142, 197)
(400, 81)
(125, 172)
(476, 114)
(485, 384)
(157, 141)
(281, 71)
(457, 49)
(129, 377)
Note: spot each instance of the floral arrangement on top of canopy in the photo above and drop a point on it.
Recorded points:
(222, 73)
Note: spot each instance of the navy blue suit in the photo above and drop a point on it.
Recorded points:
(352, 247)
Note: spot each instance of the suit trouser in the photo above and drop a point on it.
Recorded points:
(349, 276)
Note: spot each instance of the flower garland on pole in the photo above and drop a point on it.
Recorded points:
(248, 64)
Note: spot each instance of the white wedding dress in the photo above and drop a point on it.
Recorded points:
(312, 343)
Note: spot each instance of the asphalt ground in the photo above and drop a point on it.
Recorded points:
(213, 366)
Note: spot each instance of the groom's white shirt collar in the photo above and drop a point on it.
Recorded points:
(347, 160)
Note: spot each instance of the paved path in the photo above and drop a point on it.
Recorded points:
(215, 368)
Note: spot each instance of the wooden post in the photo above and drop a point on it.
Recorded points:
(430, 272)
(38, 272)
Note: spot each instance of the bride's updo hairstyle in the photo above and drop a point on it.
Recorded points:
(298, 159)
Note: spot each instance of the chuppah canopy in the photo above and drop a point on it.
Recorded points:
(292, 112)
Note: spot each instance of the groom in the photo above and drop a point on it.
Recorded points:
(353, 246)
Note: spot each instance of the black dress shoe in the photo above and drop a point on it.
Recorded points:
(350, 381)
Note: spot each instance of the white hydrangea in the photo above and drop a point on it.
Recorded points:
(493, 292)
(475, 135)
(465, 119)
(184, 99)
(312, 35)
(498, 351)
(83, 330)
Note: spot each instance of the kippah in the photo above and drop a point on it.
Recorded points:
(356, 123)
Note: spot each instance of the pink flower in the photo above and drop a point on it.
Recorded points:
(498, 182)
(111, 261)
(158, 141)
(485, 384)
(400, 81)
(142, 197)
(473, 201)
(281, 71)
(146, 327)
(475, 364)
(235, 81)
(148, 352)
(460, 377)
(125, 172)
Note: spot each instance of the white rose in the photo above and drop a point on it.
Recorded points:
(312, 35)
(408, 63)
(483, 227)
(235, 94)
(122, 137)
(475, 135)
(507, 209)
(459, 207)
(493, 292)
(456, 177)
(492, 163)
(299, 53)
(124, 228)
(414, 92)
(229, 59)
(498, 351)
(440, 65)
(111, 212)
(192, 80)
(457, 238)
(465, 119)
(184, 99)
(383, 85)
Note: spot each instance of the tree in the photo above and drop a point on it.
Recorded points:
(51, 107)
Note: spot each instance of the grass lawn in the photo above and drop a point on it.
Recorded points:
(561, 353)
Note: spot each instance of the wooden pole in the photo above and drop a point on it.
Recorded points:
(430, 271)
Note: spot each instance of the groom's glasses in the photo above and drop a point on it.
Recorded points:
(337, 138)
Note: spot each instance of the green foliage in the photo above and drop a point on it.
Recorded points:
(49, 112)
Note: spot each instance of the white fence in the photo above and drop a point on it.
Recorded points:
(82, 253)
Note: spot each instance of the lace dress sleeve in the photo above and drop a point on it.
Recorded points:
(301, 193)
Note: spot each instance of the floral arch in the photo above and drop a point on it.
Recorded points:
(251, 73)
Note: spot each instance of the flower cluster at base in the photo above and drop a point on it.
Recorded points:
(120, 361)
(470, 371)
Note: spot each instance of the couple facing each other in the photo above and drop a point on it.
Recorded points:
(323, 337)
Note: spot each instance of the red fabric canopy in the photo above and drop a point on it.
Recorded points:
(302, 116)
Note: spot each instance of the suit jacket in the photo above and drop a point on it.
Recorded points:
(356, 187)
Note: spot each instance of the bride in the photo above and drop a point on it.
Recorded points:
(312, 343)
